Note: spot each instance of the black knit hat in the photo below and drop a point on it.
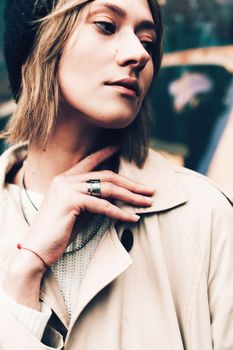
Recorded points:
(19, 35)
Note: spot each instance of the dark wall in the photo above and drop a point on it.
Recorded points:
(205, 91)
(198, 23)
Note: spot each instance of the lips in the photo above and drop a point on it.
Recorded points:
(128, 83)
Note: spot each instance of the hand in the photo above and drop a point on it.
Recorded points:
(67, 198)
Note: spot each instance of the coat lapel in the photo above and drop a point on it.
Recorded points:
(51, 295)
(108, 262)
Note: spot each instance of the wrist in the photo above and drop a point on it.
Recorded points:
(20, 247)
(26, 266)
(23, 279)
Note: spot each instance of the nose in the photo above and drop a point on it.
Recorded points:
(132, 53)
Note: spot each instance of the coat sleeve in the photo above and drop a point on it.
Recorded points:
(13, 334)
(221, 277)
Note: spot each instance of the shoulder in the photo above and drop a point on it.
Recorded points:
(205, 219)
(201, 188)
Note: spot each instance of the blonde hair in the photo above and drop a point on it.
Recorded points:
(36, 115)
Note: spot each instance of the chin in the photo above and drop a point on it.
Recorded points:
(116, 118)
(116, 122)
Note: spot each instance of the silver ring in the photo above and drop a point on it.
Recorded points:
(94, 188)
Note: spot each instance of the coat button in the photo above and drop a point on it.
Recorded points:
(127, 239)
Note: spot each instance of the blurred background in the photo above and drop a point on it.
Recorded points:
(192, 98)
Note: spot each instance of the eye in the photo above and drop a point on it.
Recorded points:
(106, 27)
(148, 46)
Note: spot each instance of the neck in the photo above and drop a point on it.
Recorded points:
(67, 147)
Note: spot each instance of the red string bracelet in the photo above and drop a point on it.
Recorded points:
(19, 246)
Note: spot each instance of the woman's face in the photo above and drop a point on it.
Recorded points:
(106, 68)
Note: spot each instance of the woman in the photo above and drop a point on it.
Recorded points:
(79, 270)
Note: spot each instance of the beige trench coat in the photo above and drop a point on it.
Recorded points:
(165, 283)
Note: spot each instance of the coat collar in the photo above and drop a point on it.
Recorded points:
(156, 172)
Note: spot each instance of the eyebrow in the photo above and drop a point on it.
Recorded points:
(145, 24)
(114, 8)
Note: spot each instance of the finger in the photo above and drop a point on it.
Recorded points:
(92, 161)
(109, 190)
(119, 180)
(103, 207)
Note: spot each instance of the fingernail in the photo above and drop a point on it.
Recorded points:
(136, 217)
(150, 188)
(149, 200)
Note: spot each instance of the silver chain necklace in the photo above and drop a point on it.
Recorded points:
(76, 248)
